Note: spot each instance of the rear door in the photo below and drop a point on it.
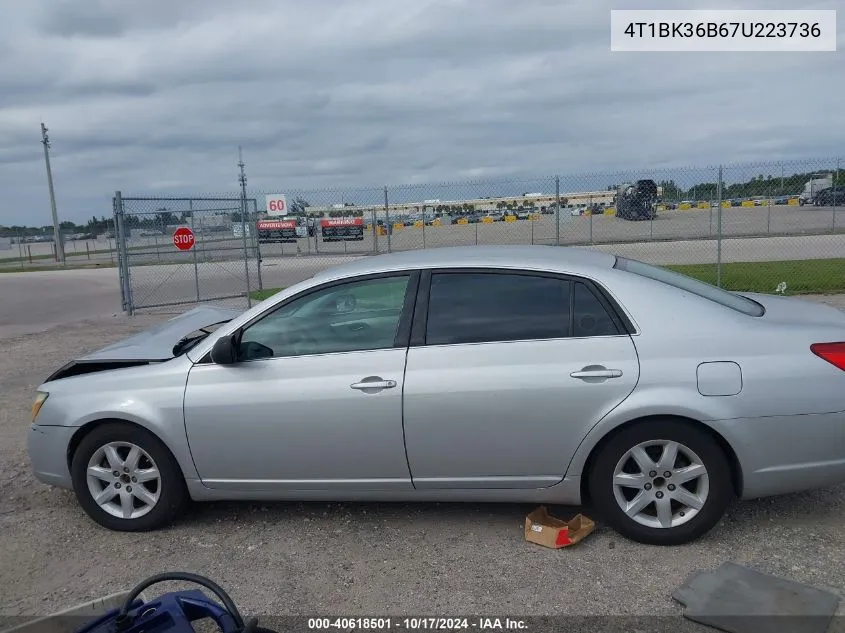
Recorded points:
(506, 373)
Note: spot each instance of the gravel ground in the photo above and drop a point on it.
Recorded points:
(366, 559)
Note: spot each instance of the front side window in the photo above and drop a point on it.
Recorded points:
(700, 288)
(354, 316)
(489, 307)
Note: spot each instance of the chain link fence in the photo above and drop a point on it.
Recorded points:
(776, 227)
(180, 251)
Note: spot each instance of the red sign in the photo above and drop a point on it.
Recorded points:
(342, 222)
(276, 225)
(183, 238)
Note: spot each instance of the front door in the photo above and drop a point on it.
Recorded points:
(514, 371)
(315, 402)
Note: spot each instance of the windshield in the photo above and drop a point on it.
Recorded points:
(677, 280)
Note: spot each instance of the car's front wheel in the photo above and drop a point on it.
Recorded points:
(126, 479)
(661, 482)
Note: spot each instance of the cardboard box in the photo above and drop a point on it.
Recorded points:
(544, 529)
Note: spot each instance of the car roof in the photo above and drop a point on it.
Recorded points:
(564, 259)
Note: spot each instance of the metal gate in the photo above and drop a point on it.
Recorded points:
(181, 251)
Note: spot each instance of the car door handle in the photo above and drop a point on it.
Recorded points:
(374, 384)
(597, 373)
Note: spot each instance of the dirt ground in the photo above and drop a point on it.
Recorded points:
(365, 559)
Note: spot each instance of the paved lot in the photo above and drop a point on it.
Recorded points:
(363, 559)
(670, 225)
(44, 299)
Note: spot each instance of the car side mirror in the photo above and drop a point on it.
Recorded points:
(224, 351)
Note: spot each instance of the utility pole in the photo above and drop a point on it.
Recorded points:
(57, 234)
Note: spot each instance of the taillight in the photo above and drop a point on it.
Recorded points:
(833, 353)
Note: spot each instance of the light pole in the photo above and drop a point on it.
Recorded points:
(57, 234)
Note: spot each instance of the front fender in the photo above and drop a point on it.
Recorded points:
(151, 397)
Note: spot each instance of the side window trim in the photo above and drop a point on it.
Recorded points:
(614, 310)
(420, 322)
(406, 318)
(417, 338)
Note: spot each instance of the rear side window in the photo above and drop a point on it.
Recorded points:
(700, 288)
(589, 315)
(490, 307)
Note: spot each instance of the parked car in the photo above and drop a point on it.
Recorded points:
(832, 196)
(485, 373)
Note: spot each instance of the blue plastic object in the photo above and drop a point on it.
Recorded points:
(172, 613)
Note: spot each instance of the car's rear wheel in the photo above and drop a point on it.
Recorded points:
(661, 482)
(126, 479)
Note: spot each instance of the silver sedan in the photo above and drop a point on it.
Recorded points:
(526, 374)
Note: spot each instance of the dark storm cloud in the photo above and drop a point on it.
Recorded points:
(156, 96)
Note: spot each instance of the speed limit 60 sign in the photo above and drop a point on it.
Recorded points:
(276, 204)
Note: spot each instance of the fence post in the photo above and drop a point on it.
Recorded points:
(531, 219)
(193, 251)
(257, 244)
(119, 260)
(719, 231)
(246, 251)
(769, 217)
(557, 210)
(591, 227)
(375, 231)
(387, 220)
(835, 196)
(122, 254)
(20, 248)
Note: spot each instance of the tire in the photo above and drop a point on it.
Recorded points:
(155, 502)
(695, 447)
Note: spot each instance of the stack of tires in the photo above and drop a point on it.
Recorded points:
(638, 201)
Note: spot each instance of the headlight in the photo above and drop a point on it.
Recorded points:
(40, 399)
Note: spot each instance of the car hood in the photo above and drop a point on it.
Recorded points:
(796, 310)
(156, 343)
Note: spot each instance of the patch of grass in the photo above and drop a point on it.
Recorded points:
(805, 276)
(261, 295)
(35, 269)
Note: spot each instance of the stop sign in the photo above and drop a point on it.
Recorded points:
(183, 238)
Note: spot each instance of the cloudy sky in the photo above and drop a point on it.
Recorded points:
(155, 96)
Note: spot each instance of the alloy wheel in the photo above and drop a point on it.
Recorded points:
(123, 480)
(660, 484)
